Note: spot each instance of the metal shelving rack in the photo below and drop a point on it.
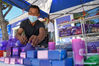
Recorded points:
(84, 35)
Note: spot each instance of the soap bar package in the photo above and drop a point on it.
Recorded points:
(23, 54)
(1, 53)
(2, 59)
(32, 54)
(57, 54)
(9, 51)
(42, 54)
(44, 63)
(13, 60)
(4, 54)
(16, 51)
(7, 60)
(59, 63)
(27, 62)
(35, 62)
(69, 61)
(20, 61)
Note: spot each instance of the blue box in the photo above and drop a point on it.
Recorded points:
(45, 63)
(69, 61)
(32, 54)
(57, 54)
(58, 63)
(27, 62)
(35, 62)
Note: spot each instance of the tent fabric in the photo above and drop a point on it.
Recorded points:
(57, 5)
(22, 4)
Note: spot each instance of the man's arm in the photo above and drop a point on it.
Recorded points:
(22, 39)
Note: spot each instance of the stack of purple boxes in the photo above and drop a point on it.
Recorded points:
(27, 55)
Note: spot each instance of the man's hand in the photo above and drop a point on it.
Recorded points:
(23, 39)
(34, 40)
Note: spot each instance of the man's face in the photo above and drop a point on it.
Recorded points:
(33, 12)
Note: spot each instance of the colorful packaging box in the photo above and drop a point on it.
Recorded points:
(58, 63)
(23, 54)
(1, 53)
(39, 62)
(42, 54)
(13, 60)
(57, 54)
(69, 61)
(2, 59)
(35, 62)
(97, 49)
(27, 62)
(7, 60)
(44, 63)
(20, 61)
(4, 54)
(16, 51)
(32, 54)
(9, 51)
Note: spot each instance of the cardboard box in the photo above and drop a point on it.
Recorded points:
(32, 54)
(9, 51)
(57, 54)
(20, 61)
(23, 54)
(58, 63)
(7, 60)
(13, 60)
(27, 62)
(35, 62)
(42, 54)
(69, 61)
(2, 59)
(16, 51)
(4, 54)
(44, 63)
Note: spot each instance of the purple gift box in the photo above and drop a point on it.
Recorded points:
(16, 51)
(92, 46)
(28, 47)
(9, 51)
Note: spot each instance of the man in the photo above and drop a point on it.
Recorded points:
(33, 28)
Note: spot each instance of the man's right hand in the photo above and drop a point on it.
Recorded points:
(23, 39)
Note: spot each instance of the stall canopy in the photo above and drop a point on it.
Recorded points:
(56, 7)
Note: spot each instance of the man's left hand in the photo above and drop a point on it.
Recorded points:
(34, 40)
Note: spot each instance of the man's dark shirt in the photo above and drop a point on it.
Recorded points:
(33, 30)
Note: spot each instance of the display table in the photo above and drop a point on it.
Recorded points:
(4, 64)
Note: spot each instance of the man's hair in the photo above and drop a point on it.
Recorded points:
(35, 6)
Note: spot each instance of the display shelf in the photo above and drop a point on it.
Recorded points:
(88, 34)
(91, 54)
(79, 20)
(89, 63)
